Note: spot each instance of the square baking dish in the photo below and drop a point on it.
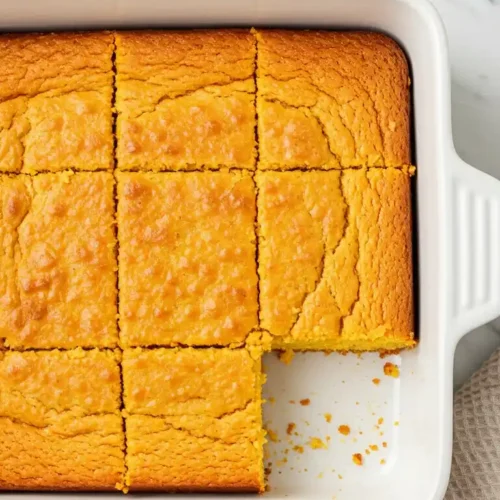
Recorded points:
(457, 220)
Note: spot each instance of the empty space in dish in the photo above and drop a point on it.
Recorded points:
(347, 391)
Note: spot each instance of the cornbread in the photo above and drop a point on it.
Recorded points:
(60, 423)
(193, 419)
(187, 258)
(55, 102)
(331, 100)
(58, 268)
(252, 166)
(335, 259)
(185, 100)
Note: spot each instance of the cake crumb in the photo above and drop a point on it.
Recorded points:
(384, 444)
(367, 451)
(344, 429)
(373, 447)
(340, 476)
(272, 400)
(391, 370)
(317, 444)
(273, 436)
(305, 402)
(290, 428)
(382, 462)
(380, 421)
(292, 402)
(376, 381)
(328, 417)
(396, 423)
(357, 458)
(286, 356)
(320, 475)
(298, 449)
(328, 438)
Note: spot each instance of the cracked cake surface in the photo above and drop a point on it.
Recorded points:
(60, 427)
(55, 102)
(193, 419)
(185, 100)
(58, 279)
(331, 100)
(335, 259)
(187, 258)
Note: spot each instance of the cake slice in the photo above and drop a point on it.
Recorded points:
(187, 258)
(60, 422)
(331, 100)
(335, 259)
(193, 420)
(58, 265)
(185, 99)
(55, 102)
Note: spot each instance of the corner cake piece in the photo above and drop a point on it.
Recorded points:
(335, 259)
(331, 100)
(58, 265)
(55, 102)
(187, 258)
(60, 422)
(185, 100)
(193, 420)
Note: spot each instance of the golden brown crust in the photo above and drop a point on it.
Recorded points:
(193, 419)
(335, 259)
(187, 258)
(331, 100)
(39, 388)
(58, 280)
(60, 425)
(82, 454)
(55, 102)
(186, 381)
(185, 99)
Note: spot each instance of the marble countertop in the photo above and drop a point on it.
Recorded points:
(473, 28)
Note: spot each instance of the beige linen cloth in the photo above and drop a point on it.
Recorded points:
(475, 470)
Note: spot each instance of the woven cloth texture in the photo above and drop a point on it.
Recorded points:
(475, 470)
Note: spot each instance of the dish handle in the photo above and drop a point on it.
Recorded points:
(475, 252)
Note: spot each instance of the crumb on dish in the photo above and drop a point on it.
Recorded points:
(391, 370)
(344, 429)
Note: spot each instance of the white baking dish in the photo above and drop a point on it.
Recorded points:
(457, 212)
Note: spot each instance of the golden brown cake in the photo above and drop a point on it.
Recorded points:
(60, 422)
(335, 259)
(187, 258)
(55, 102)
(331, 100)
(282, 152)
(57, 265)
(185, 100)
(193, 420)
